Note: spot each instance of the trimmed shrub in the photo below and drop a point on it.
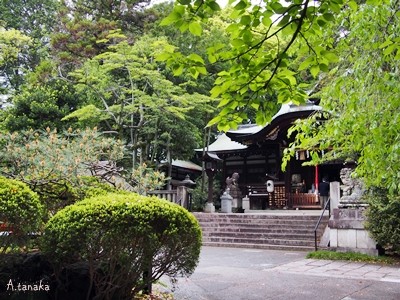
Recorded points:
(21, 212)
(122, 237)
(383, 220)
(92, 186)
(59, 194)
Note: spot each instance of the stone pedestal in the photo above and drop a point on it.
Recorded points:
(334, 194)
(234, 202)
(347, 232)
(246, 203)
(226, 203)
(237, 202)
(209, 208)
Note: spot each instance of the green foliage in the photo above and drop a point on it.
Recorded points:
(91, 186)
(83, 27)
(200, 194)
(264, 38)
(123, 236)
(136, 100)
(383, 219)
(13, 45)
(52, 164)
(144, 179)
(361, 98)
(21, 211)
(39, 107)
(34, 17)
(350, 256)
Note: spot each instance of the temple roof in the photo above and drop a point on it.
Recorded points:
(186, 165)
(238, 139)
(280, 122)
(222, 144)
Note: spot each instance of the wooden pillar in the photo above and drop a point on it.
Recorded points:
(316, 180)
(245, 170)
(288, 185)
(210, 187)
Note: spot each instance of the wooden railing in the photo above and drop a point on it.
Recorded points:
(170, 195)
(304, 200)
(181, 196)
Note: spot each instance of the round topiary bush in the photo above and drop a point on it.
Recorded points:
(123, 237)
(21, 211)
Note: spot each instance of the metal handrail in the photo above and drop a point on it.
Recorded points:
(319, 221)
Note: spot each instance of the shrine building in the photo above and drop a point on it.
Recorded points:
(255, 153)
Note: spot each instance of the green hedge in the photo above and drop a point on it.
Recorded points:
(20, 209)
(20, 206)
(123, 236)
(58, 194)
(383, 219)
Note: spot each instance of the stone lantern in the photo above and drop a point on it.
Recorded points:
(184, 190)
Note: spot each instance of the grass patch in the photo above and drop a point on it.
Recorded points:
(352, 256)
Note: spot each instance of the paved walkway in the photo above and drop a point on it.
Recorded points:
(342, 269)
(252, 274)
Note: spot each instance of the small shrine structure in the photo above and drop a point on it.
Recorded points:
(255, 154)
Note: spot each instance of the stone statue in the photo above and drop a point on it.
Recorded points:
(232, 186)
(352, 188)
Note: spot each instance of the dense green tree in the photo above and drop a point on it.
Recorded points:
(360, 92)
(134, 99)
(42, 106)
(35, 19)
(82, 24)
(361, 97)
(13, 46)
(262, 39)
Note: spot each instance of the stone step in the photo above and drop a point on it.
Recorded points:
(249, 229)
(268, 236)
(258, 226)
(260, 246)
(269, 215)
(280, 231)
(233, 240)
(244, 220)
(242, 217)
(242, 231)
(255, 223)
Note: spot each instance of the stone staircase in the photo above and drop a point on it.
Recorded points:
(264, 231)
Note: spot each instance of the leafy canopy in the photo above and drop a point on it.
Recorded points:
(361, 97)
(262, 42)
(132, 96)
